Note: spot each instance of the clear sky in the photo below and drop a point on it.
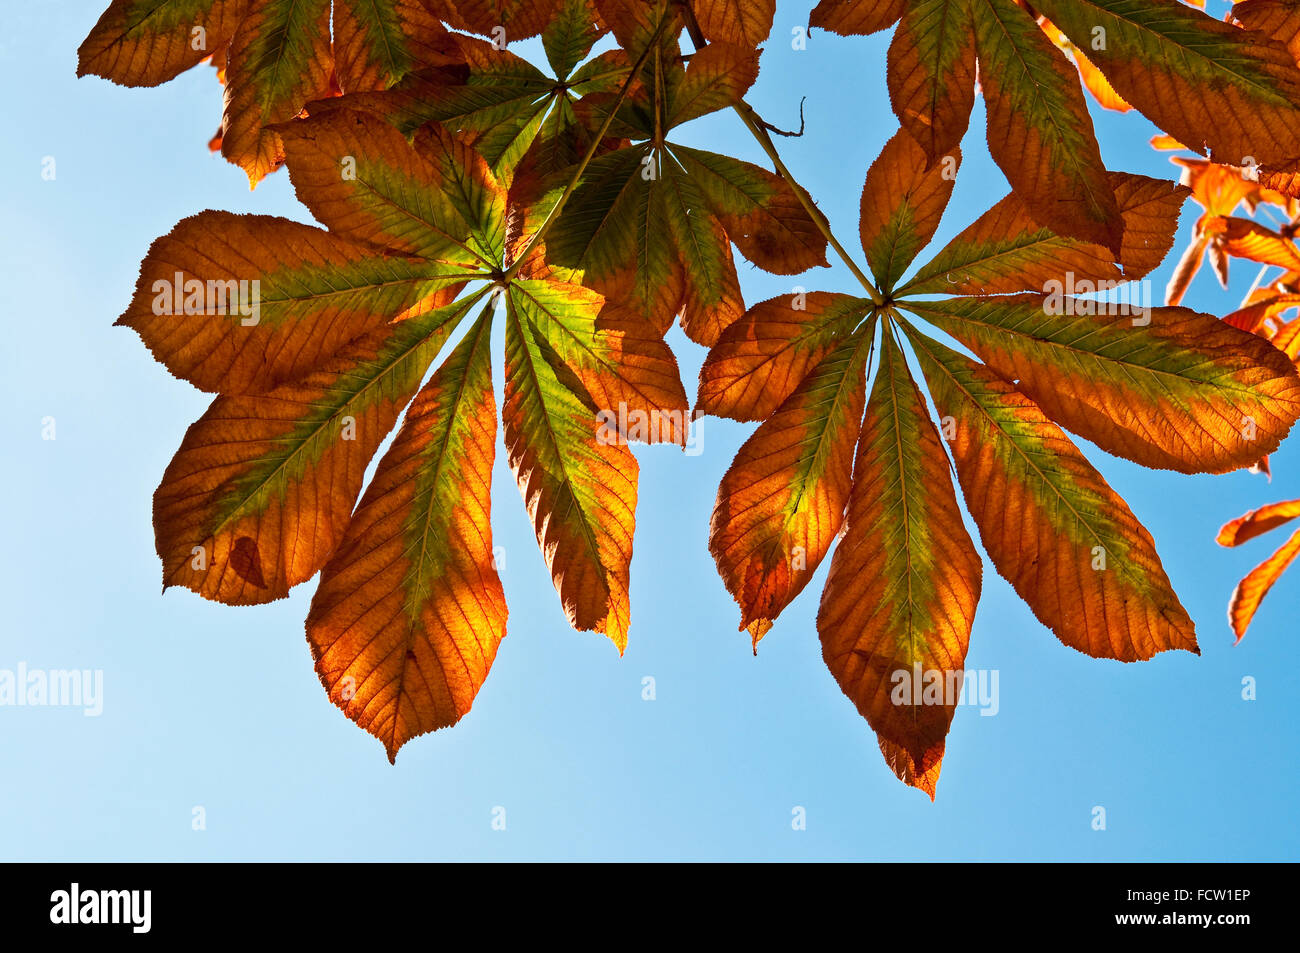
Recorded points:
(217, 707)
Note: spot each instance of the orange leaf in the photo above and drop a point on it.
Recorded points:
(900, 762)
(410, 609)
(279, 60)
(1168, 388)
(578, 480)
(1279, 19)
(1205, 82)
(1218, 188)
(434, 197)
(746, 22)
(904, 581)
(1039, 130)
(519, 19)
(1099, 85)
(1006, 250)
(901, 205)
(260, 492)
(625, 367)
(244, 303)
(760, 211)
(781, 502)
(1252, 317)
(366, 55)
(143, 45)
(1094, 79)
(850, 17)
(759, 361)
(1250, 592)
(931, 73)
(1287, 339)
(1067, 543)
(1244, 238)
(1257, 522)
(717, 77)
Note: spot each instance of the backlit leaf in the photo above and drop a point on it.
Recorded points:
(577, 479)
(147, 42)
(410, 609)
(1244, 238)
(781, 503)
(717, 77)
(635, 23)
(1252, 317)
(362, 179)
(1280, 19)
(570, 35)
(759, 210)
(848, 17)
(519, 19)
(1250, 592)
(905, 579)
(649, 228)
(511, 112)
(931, 74)
(624, 365)
(1167, 388)
(314, 292)
(276, 56)
(1006, 250)
(759, 361)
(744, 22)
(1094, 79)
(1208, 84)
(1039, 130)
(901, 206)
(1257, 522)
(1067, 543)
(262, 488)
(279, 60)
(377, 42)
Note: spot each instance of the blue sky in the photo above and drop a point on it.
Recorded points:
(218, 707)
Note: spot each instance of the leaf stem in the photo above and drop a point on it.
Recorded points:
(758, 128)
(569, 188)
(759, 131)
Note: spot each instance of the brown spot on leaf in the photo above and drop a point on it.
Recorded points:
(247, 561)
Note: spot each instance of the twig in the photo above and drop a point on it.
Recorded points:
(781, 132)
(759, 129)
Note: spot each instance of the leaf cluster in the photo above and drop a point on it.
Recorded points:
(460, 186)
